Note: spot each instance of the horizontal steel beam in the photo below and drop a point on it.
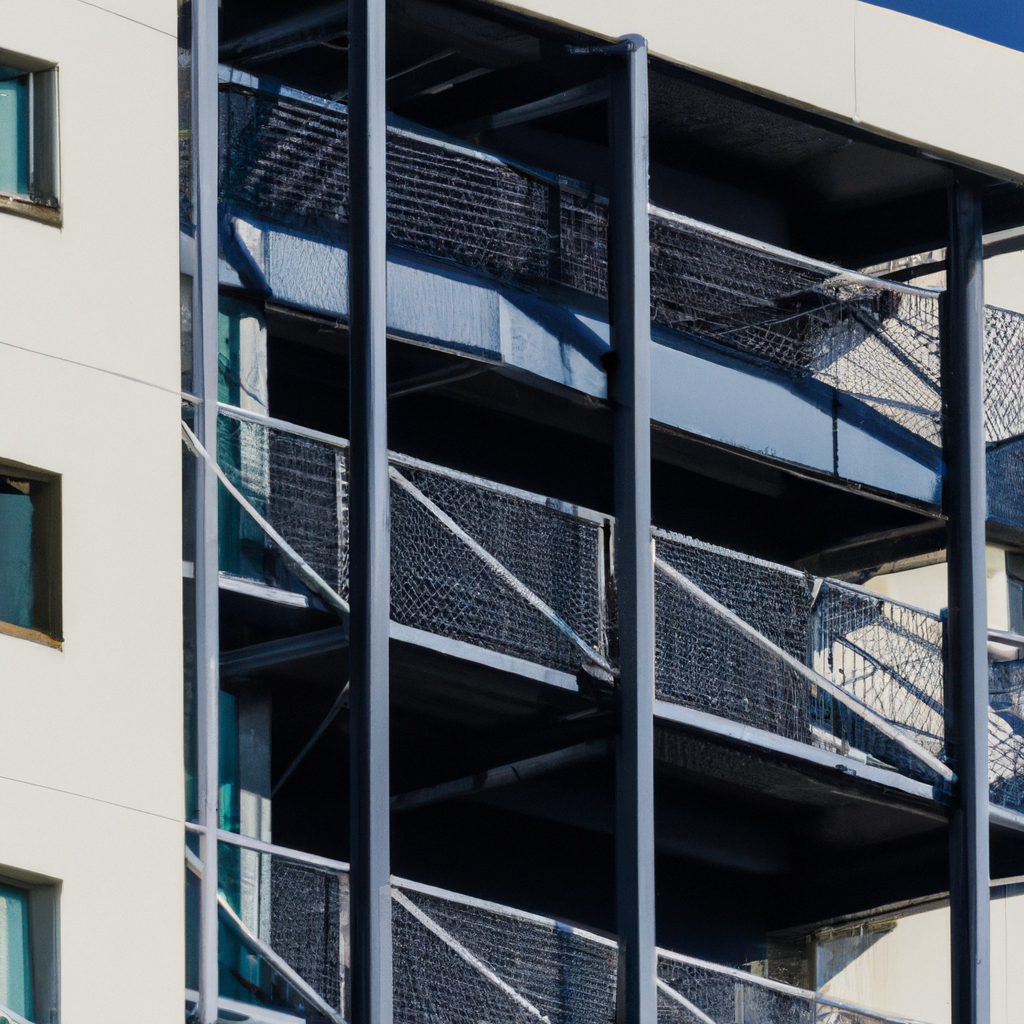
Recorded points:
(506, 775)
(289, 35)
(568, 99)
(278, 652)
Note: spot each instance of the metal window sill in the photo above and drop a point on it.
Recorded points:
(24, 207)
(35, 635)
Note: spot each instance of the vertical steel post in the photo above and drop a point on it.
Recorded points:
(967, 664)
(630, 379)
(204, 164)
(369, 521)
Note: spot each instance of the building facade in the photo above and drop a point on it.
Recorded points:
(643, 350)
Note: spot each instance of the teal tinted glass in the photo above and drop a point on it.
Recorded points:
(14, 140)
(15, 961)
(16, 588)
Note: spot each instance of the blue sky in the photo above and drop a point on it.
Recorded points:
(1000, 21)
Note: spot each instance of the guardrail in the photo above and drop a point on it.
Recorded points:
(285, 946)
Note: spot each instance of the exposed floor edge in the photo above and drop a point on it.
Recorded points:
(483, 656)
(850, 768)
(251, 1012)
(404, 634)
(265, 592)
(1004, 816)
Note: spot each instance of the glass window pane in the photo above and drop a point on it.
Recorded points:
(16, 589)
(14, 135)
(15, 962)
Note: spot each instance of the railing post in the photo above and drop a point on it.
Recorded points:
(967, 664)
(630, 391)
(205, 284)
(369, 521)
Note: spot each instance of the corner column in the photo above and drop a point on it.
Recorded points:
(369, 521)
(630, 391)
(967, 660)
(204, 299)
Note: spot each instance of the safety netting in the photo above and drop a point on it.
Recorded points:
(1004, 482)
(284, 157)
(496, 567)
(812, 660)
(461, 960)
(297, 482)
(889, 657)
(1004, 415)
(692, 991)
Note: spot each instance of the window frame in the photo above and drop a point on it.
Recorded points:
(42, 200)
(43, 940)
(46, 553)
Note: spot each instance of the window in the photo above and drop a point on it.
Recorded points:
(30, 572)
(28, 950)
(29, 151)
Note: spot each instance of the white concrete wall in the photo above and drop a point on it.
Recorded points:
(925, 587)
(91, 775)
(906, 972)
(901, 76)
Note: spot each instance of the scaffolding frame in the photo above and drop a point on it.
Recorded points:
(964, 501)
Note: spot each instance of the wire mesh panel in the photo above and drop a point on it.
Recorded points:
(1004, 374)
(704, 662)
(1004, 481)
(440, 584)
(725, 998)
(463, 962)
(870, 339)
(309, 925)
(889, 656)
(439, 581)
(694, 991)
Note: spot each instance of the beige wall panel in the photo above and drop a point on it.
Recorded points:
(801, 49)
(161, 15)
(102, 289)
(906, 972)
(1007, 951)
(945, 89)
(1004, 281)
(104, 716)
(121, 903)
(902, 76)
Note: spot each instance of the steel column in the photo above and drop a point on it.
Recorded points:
(967, 662)
(630, 388)
(204, 297)
(369, 521)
